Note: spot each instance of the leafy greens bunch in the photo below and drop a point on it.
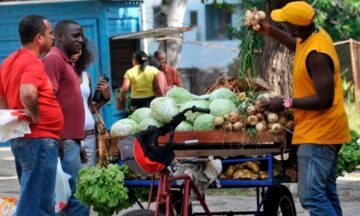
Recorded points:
(103, 188)
(349, 155)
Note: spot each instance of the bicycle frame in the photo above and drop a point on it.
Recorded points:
(164, 194)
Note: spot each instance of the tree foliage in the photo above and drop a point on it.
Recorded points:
(340, 18)
(220, 4)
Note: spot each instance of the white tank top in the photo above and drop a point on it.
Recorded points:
(85, 92)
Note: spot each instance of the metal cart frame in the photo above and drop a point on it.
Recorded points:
(272, 197)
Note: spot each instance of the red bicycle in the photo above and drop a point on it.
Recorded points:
(143, 154)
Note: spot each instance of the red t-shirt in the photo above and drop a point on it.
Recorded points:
(66, 84)
(173, 78)
(24, 67)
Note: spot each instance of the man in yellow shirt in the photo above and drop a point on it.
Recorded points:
(321, 124)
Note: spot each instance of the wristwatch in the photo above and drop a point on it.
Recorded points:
(287, 102)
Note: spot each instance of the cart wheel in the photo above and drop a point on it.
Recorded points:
(176, 198)
(279, 201)
(140, 212)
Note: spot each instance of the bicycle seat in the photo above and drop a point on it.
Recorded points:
(142, 153)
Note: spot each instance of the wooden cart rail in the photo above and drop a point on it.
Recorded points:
(220, 143)
(223, 137)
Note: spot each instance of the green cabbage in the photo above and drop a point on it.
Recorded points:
(140, 114)
(163, 109)
(181, 95)
(184, 126)
(123, 127)
(224, 93)
(220, 107)
(191, 116)
(146, 122)
(204, 122)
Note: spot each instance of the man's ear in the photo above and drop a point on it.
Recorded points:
(58, 36)
(38, 38)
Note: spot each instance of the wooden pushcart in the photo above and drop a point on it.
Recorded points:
(273, 198)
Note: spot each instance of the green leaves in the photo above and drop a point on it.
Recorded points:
(349, 155)
(221, 5)
(339, 17)
(250, 47)
(103, 188)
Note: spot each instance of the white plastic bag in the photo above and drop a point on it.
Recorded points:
(7, 206)
(13, 124)
(213, 168)
(62, 189)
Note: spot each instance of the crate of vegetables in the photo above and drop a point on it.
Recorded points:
(252, 171)
(236, 122)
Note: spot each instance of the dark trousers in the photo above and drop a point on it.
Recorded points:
(140, 102)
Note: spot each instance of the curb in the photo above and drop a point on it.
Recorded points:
(5, 178)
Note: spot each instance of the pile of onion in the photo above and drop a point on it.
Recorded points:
(253, 18)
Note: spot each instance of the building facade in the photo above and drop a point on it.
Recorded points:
(101, 20)
(210, 44)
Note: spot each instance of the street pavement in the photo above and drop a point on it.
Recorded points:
(348, 189)
(7, 163)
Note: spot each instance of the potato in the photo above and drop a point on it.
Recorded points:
(230, 171)
(255, 176)
(242, 174)
(253, 166)
(264, 175)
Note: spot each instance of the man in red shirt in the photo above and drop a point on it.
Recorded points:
(62, 74)
(173, 78)
(24, 85)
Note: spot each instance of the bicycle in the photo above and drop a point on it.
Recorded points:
(143, 154)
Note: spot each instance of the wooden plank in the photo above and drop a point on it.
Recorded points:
(220, 143)
(224, 152)
(219, 137)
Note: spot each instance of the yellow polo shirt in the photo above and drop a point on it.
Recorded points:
(329, 126)
(141, 82)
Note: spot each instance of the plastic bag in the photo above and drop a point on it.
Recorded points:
(62, 188)
(7, 206)
(13, 124)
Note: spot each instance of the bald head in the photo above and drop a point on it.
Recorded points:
(161, 57)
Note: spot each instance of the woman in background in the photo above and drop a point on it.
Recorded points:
(82, 61)
(141, 78)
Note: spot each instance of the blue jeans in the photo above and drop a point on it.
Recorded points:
(317, 179)
(71, 164)
(89, 143)
(36, 163)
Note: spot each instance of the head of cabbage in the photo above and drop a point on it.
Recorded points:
(191, 116)
(146, 122)
(184, 126)
(163, 109)
(123, 127)
(220, 107)
(224, 93)
(204, 122)
(181, 95)
(139, 114)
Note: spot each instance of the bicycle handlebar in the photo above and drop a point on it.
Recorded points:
(197, 109)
